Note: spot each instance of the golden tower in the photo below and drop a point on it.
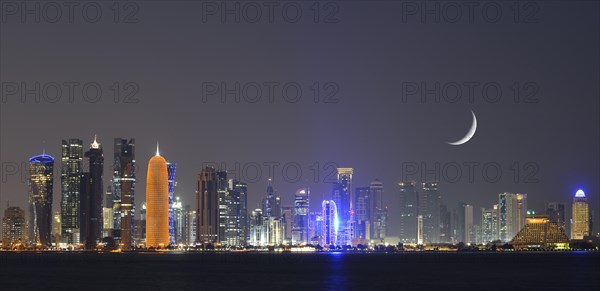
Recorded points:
(157, 203)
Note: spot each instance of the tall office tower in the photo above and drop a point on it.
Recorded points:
(179, 222)
(256, 222)
(556, 213)
(236, 222)
(580, 225)
(71, 158)
(171, 169)
(192, 225)
(420, 229)
(300, 226)
(429, 208)
(41, 183)
(362, 213)
(463, 223)
(91, 198)
(13, 227)
(271, 203)
(124, 191)
(343, 197)
(223, 205)
(56, 226)
(408, 212)
(511, 214)
(157, 203)
(489, 224)
(207, 205)
(139, 230)
(107, 213)
(287, 217)
(330, 223)
(378, 212)
(445, 225)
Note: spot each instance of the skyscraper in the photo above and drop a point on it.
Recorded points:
(512, 211)
(13, 227)
(223, 206)
(301, 208)
(330, 223)
(157, 203)
(362, 213)
(70, 178)
(107, 213)
(41, 183)
(179, 219)
(489, 224)
(171, 169)
(343, 197)
(580, 225)
(256, 222)
(378, 212)
(556, 213)
(287, 217)
(91, 198)
(124, 191)
(429, 208)
(236, 223)
(408, 212)
(207, 205)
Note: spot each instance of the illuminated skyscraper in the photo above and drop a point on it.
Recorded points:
(580, 225)
(300, 226)
(512, 211)
(124, 191)
(157, 203)
(408, 212)
(236, 217)
(40, 185)
(171, 169)
(343, 197)
(91, 198)
(489, 224)
(70, 178)
(107, 213)
(179, 218)
(256, 222)
(13, 227)
(330, 223)
(287, 217)
(207, 205)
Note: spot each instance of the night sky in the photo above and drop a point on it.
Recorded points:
(366, 56)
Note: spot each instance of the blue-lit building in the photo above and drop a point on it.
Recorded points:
(329, 224)
(300, 231)
(40, 185)
(171, 169)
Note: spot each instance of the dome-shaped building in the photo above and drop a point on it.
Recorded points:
(157, 203)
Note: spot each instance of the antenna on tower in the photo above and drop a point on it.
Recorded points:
(157, 152)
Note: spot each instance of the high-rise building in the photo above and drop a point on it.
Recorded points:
(91, 198)
(256, 223)
(378, 213)
(429, 208)
(362, 213)
(330, 223)
(139, 227)
(13, 227)
(463, 223)
(124, 191)
(223, 206)
(237, 222)
(207, 205)
(556, 213)
(157, 203)
(489, 224)
(179, 218)
(40, 185)
(445, 224)
(512, 209)
(408, 212)
(107, 213)
(343, 197)
(580, 225)
(56, 225)
(287, 217)
(171, 169)
(300, 230)
(70, 178)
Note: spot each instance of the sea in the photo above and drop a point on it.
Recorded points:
(301, 271)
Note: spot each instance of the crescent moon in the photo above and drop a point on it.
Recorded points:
(469, 134)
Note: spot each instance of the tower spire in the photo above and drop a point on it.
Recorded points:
(157, 152)
(95, 144)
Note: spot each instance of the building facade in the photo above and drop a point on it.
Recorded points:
(40, 190)
(580, 226)
(124, 178)
(70, 178)
(157, 203)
